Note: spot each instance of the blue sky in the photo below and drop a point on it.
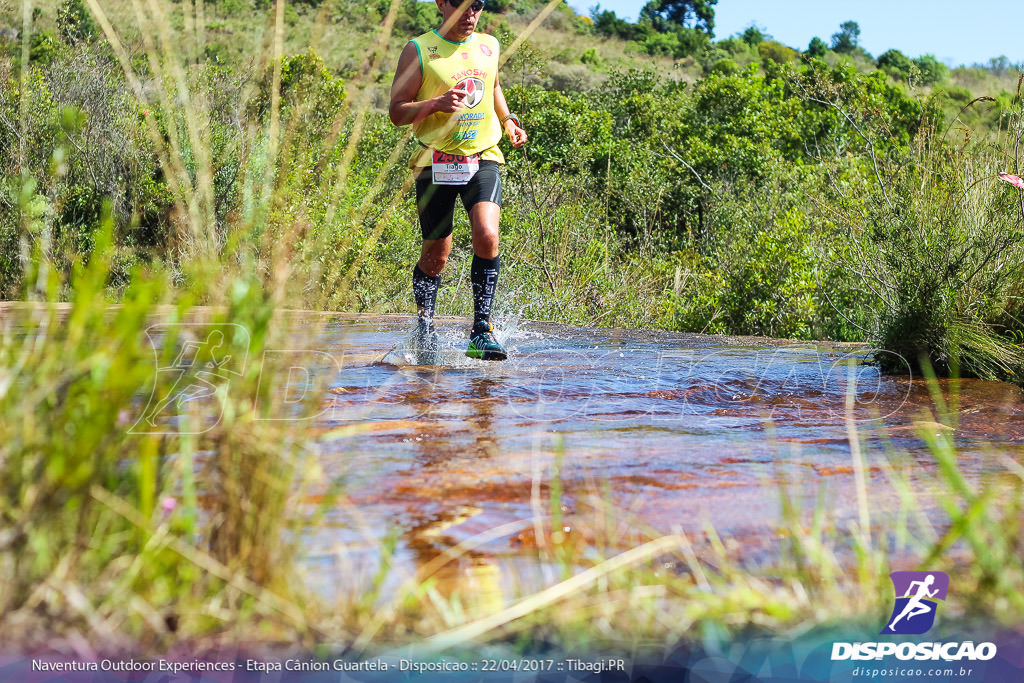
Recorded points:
(955, 32)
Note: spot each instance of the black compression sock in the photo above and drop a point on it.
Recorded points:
(424, 289)
(484, 275)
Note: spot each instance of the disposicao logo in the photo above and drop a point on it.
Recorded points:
(917, 594)
(913, 613)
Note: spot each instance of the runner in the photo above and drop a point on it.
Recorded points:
(446, 87)
(916, 604)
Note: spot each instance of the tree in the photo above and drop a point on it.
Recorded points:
(932, 70)
(754, 36)
(669, 15)
(846, 40)
(895, 63)
(606, 23)
(817, 48)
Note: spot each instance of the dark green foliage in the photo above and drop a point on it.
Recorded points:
(417, 17)
(817, 48)
(606, 23)
(895, 63)
(931, 69)
(754, 36)
(44, 48)
(847, 39)
(307, 89)
(216, 52)
(75, 22)
(566, 133)
(669, 15)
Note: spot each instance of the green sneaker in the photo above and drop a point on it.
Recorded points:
(482, 343)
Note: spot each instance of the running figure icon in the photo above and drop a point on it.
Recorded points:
(915, 605)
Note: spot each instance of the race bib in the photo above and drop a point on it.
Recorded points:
(454, 169)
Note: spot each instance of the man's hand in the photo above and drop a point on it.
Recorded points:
(516, 135)
(451, 102)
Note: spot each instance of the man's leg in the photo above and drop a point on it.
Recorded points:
(486, 260)
(436, 205)
(426, 276)
(484, 217)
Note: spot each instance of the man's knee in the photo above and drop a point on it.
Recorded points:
(432, 266)
(486, 237)
(485, 245)
(433, 259)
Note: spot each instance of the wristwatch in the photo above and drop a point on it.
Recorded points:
(513, 117)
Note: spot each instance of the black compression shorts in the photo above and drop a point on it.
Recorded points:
(436, 203)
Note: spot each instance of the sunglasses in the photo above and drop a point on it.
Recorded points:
(474, 6)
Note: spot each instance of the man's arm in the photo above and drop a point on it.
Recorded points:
(514, 132)
(404, 108)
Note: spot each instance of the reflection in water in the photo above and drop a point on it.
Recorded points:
(648, 433)
(468, 579)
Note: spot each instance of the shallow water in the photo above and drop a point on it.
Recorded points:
(594, 440)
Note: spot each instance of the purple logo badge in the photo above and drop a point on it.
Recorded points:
(917, 596)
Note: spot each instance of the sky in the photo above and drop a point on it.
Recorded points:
(955, 32)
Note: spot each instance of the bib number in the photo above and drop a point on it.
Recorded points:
(454, 169)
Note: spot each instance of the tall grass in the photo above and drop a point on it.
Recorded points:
(149, 473)
(937, 241)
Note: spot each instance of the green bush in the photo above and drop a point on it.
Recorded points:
(896, 64)
(726, 67)
(44, 48)
(75, 22)
(775, 51)
(416, 17)
(566, 132)
(931, 70)
(86, 144)
(816, 49)
(940, 251)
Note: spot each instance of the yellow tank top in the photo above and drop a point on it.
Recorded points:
(473, 65)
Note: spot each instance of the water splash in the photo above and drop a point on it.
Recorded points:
(453, 338)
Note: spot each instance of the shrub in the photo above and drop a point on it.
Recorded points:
(940, 249)
(816, 49)
(931, 70)
(895, 63)
(726, 67)
(75, 22)
(566, 133)
(44, 48)
(307, 90)
(775, 51)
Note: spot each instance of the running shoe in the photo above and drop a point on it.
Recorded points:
(425, 343)
(482, 343)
